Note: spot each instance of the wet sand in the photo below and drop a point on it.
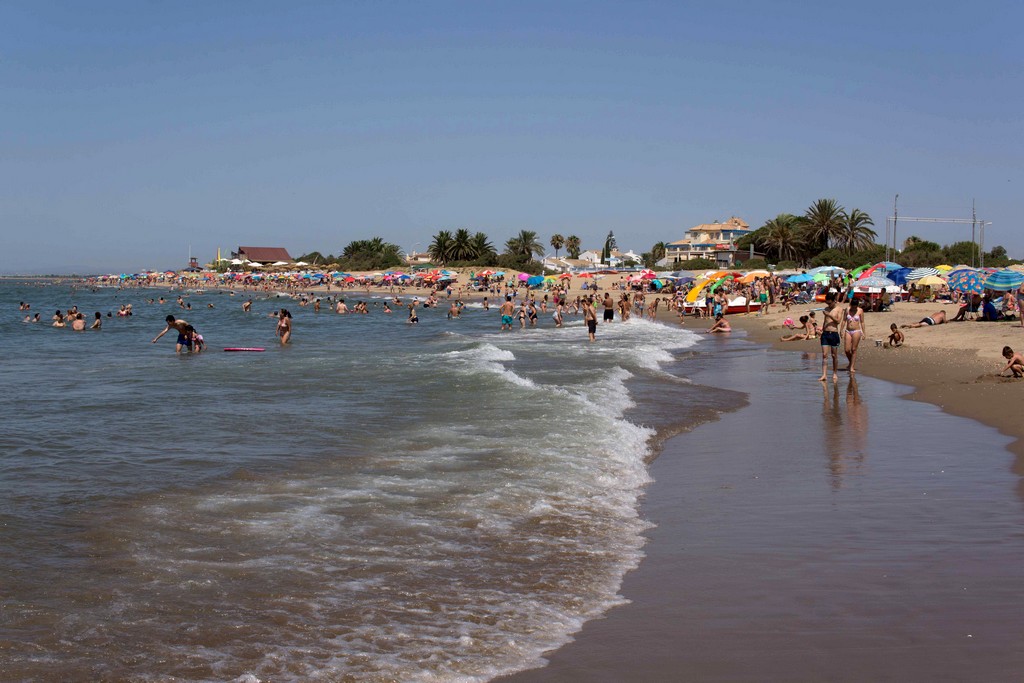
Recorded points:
(892, 553)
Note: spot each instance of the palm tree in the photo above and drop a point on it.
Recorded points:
(782, 236)
(658, 251)
(572, 245)
(557, 241)
(822, 224)
(854, 234)
(440, 247)
(483, 250)
(524, 245)
(462, 246)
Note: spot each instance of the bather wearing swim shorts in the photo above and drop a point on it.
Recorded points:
(928, 321)
(830, 338)
(506, 320)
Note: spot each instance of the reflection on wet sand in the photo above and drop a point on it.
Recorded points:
(845, 431)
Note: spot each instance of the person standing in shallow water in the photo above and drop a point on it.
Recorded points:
(830, 337)
(590, 318)
(284, 326)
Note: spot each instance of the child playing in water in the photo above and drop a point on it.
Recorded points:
(1015, 362)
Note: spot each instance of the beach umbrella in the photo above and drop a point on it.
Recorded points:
(647, 274)
(966, 280)
(485, 273)
(829, 270)
(585, 275)
(918, 273)
(874, 281)
(944, 268)
(800, 278)
(523, 277)
(889, 266)
(753, 275)
(930, 281)
(534, 281)
(565, 276)
(1004, 280)
(899, 276)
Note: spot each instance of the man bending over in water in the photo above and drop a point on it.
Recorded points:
(179, 325)
(936, 318)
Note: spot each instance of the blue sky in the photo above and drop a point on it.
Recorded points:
(129, 131)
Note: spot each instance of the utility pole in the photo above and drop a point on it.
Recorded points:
(974, 223)
(895, 217)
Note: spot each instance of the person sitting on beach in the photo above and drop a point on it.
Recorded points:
(989, 313)
(808, 331)
(971, 305)
(896, 337)
(1015, 362)
(937, 318)
(721, 325)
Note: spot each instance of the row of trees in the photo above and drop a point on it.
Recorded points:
(825, 225)
(825, 234)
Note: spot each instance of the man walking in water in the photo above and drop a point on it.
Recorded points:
(609, 308)
(507, 309)
(183, 339)
(830, 337)
(590, 317)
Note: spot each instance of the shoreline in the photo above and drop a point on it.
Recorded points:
(936, 369)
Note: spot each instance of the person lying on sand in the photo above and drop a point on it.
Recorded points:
(937, 318)
(1015, 362)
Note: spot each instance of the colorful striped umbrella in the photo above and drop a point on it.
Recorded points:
(1004, 280)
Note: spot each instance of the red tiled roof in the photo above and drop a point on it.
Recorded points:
(264, 254)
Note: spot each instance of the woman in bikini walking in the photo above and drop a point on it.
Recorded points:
(854, 331)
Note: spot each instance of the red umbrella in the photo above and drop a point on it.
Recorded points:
(584, 275)
(565, 276)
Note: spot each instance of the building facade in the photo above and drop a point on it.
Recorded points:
(713, 241)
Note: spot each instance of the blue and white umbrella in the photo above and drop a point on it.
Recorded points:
(918, 273)
(1004, 280)
(875, 282)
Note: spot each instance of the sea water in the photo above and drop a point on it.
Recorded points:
(377, 501)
